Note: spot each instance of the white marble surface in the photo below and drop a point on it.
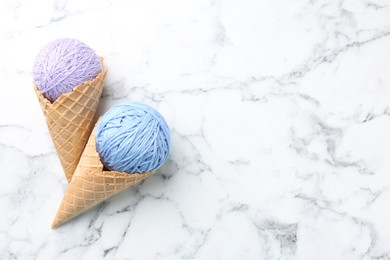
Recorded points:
(280, 118)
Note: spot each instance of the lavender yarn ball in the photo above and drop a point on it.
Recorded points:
(64, 64)
(133, 137)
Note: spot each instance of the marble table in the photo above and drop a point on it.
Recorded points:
(280, 120)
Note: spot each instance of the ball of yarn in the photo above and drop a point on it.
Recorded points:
(132, 137)
(62, 65)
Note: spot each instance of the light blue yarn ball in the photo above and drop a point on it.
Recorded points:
(133, 137)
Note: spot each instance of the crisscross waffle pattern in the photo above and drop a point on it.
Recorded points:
(70, 120)
(91, 185)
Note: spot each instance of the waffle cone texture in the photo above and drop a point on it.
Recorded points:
(91, 185)
(70, 120)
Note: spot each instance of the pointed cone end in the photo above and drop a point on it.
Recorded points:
(68, 177)
(54, 225)
(56, 222)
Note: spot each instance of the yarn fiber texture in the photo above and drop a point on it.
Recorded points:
(133, 137)
(64, 64)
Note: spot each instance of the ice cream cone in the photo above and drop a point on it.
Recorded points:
(70, 120)
(91, 185)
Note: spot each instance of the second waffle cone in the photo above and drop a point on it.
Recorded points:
(91, 185)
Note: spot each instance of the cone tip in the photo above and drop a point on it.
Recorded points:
(56, 223)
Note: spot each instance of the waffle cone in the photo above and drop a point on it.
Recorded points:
(70, 120)
(91, 185)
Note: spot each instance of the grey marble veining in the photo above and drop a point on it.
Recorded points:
(279, 112)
